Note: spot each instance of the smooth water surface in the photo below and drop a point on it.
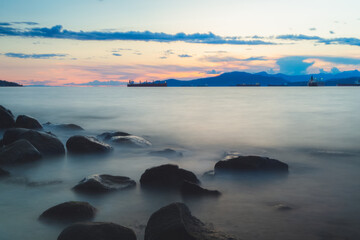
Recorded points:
(314, 130)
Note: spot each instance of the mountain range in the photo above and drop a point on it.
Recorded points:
(4, 83)
(265, 79)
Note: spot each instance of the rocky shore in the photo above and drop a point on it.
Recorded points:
(25, 141)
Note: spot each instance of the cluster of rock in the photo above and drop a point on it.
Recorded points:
(24, 141)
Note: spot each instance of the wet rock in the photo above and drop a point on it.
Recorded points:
(3, 173)
(69, 212)
(130, 141)
(97, 231)
(167, 176)
(108, 135)
(175, 222)
(191, 189)
(168, 153)
(251, 164)
(20, 151)
(6, 118)
(23, 121)
(84, 145)
(104, 183)
(45, 143)
(70, 127)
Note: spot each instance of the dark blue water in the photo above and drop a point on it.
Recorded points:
(314, 130)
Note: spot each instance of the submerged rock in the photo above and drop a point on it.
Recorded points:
(109, 135)
(69, 212)
(20, 151)
(70, 127)
(175, 222)
(85, 144)
(282, 207)
(7, 119)
(167, 176)
(251, 164)
(45, 143)
(97, 231)
(3, 173)
(104, 183)
(191, 189)
(23, 121)
(168, 153)
(130, 141)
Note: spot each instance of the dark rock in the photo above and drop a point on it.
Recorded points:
(191, 189)
(109, 135)
(1, 143)
(6, 118)
(97, 231)
(175, 222)
(251, 164)
(167, 176)
(3, 173)
(104, 183)
(46, 144)
(69, 212)
(168, 153)
(23, 121)
(70, 127)
(83, 144)
(130, 141)
(20, 151)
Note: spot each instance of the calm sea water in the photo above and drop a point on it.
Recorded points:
(314, 130)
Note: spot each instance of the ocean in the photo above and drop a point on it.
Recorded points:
(314, 130)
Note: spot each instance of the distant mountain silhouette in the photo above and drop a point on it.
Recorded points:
(265, 79)
(4, 83)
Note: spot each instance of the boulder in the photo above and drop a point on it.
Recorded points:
(130, 141)
(69, 212)
(168, 153)
(97, 231)
(109, 135)
(45, 143)
(6, 118)
(20, 151)
(191, 189)
(167, 176)
(23, 121)
(175, 222)
(70, 127)
(3, 173)
(104, 183)
(66, 126)
(84, 145)
(250, 164)
(1, 143)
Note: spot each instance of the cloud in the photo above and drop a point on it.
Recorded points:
(98, 83)
(184, 56)
(299, 37)
(218, 52)
(338, 60)
(328, 41)
(293, 65)
(331, 32)
(312, 29)
(26, 23)
(35, 56)
(117, 54)
(231, 59)
(60, 33)
(213, 72)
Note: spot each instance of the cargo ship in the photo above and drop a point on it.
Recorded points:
(147, 84)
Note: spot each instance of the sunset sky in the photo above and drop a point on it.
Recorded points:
(77, 42)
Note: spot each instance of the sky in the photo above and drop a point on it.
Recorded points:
(90, 42)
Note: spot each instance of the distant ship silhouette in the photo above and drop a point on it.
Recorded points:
(146, 84)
